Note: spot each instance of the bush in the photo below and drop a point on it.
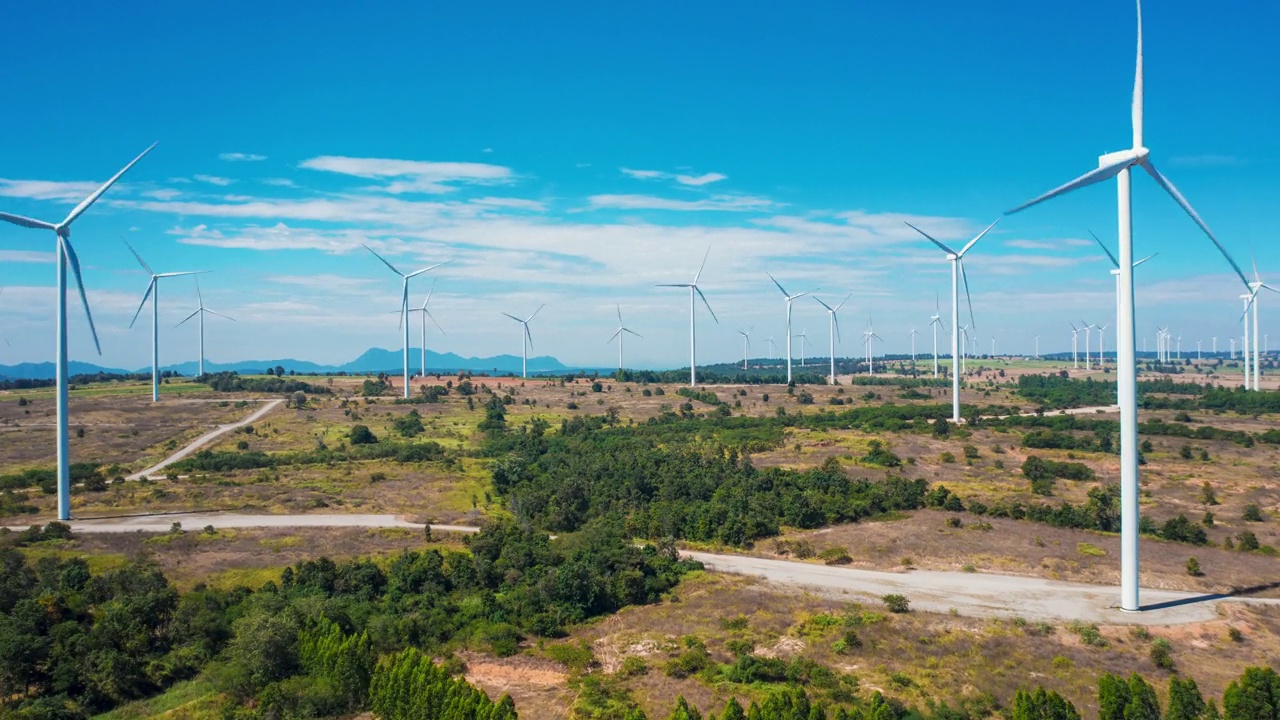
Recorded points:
(1247, 541)
(835, 556)
(948, 457)
(1160, 654)
(1252, 513)
(896, 603)
(633, 665)
(1193, 567)
(362, 435)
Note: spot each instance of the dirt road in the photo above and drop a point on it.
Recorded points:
(205, 439)
(972, 594)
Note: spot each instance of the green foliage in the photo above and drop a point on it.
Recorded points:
(1042, 473)
(1113, 697)
(878, 454)
(1161, 654)
(1042, 705)
(232, 382)
(409, 686)
(1255, 696)
(1185, 700)
(362, 435)
(896, 603)
(409, 425)
(1180, 529)
(1142, 704)
(1252, 513)
(1193, 567)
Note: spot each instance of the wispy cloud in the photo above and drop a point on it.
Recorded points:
(279, 182)
(71, 191)
(241, 157)
(326, 282)
(25, 256)
(1030, 244)
(1206, 160)
(413, 176)
(683, 179)
(214, 180)
(731, 203)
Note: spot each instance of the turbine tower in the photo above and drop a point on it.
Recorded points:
(622, 329)
(693, 335)
(1088, 342)
(153, 292)
(804, 344)
(526, 340)
(914, 333)
(957, 270)
(404, 307)
(869, 337)
(202, 311)
(789, 298)
(934, 321)
(746, 344)
(833, 330)
(1254, 287)
(1118, 165)
(66, 255)
(1115, 271)
(425, 315)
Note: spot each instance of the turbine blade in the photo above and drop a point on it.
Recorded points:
(775, 282)
(1256, 277)
(84, 204)
(197, 312)
(199, 294)
(619, 309)
(429, 294)
(141, 262)
(679, 285)
(933, 240)
(74, 262)
(535, 312)
(704, 302)
(797, 297)
(974, 241)
(513, 317)
(27, 222)
(845, 300)
(528, 334)
(702, 266)
(180, 274)
(1106, 172)
(1182, 201)
(404, 304)
(214, 312)
(836, 320)
(1136, 264)
(615, 334)
(828, 307)
(416, 273)
(384, 260)
(633, 332)
(969, 298)
(1102, 245)
(433, 322)
(143, 304)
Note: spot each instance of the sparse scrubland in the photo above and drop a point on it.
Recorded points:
(604, 621)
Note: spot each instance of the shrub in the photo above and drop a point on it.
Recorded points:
(835, 556)
(948, 457)
(970, 452)
(1235, 634)
(1247, 541)
(1252, 513)
(896, 603)
(633, 665)
(1193, 567)
(362, 435)
(1160, 654)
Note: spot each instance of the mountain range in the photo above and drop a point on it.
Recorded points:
(373, 360)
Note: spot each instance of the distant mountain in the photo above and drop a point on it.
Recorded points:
(373, 360)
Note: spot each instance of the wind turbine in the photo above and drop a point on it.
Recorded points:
(746, 344)
(993, 346)
(913, 335)
(1102, 345)
(957, 270)
(201, 311)
(1075, 346)
(67, 256)
(773, 348)
(427, 314)
(1088, 341)
(789, 298)
(693, 337)
(1115, 271)
(964, 348)
(1254, 287)
(1198, 350)
(622, 329)
(153, 292)
(833, 329)
(804, 344)
(869, 337)
(1118, 165)
(934, 321)
(404, 307)
(526, 340)
(1244, 348)
(1037, 347)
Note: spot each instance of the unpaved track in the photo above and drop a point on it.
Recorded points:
(972, 594)
(206, 438)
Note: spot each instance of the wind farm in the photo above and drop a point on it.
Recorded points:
(1037, 504)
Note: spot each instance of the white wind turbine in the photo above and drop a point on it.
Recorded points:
(773, 348)
(1088, 341)
(693, 336)
(404, 307)
(1075, 345)
(1254, 287)
(746, 344)
(426, 314)
(913, 334)
(964, 348)
(934, 321)
(1037, 347)
(1118, 165)
(869, 337)
(526, 340)
(957, 271)
(1102, 345)
(202, 311)
(804, 345)
(622, 330)
(1115, 271)
(833, 330)
(66, 255)
(789, 298)
(153, 292)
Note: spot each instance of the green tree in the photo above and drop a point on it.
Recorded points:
(1185, 700)
(362, 435)
(1143, 704)
(1113, 696)
(1255, 696)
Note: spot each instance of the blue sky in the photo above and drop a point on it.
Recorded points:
(576, 155)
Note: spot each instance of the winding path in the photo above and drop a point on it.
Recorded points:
(973, 594)
(207, 438)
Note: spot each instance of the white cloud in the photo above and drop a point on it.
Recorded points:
(72, 192)
(692, 180)
(279, 182)
(325, 281)
(1030, 244)
(162, 194)
(700, 180)
(214, 180)
(241, 157)
(734, 203)
(413, 176)
(510, 203)
(487, 150)
(25, 256)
